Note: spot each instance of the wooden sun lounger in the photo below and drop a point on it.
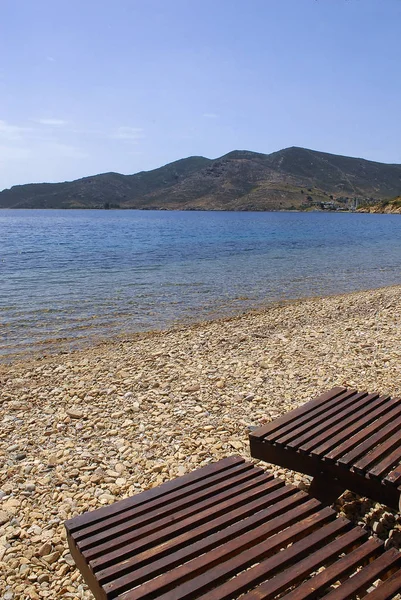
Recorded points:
(225, 531)
(344, 439)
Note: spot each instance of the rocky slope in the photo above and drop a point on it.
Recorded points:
(241, 180)
(392, 206)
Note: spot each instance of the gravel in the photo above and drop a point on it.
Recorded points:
(82, 430)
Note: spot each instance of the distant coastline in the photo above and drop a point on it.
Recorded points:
(373, 209)
(290, 179)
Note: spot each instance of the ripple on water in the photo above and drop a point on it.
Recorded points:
(70, 277)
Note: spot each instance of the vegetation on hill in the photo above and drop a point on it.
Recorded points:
(392, 205)
(293, 178)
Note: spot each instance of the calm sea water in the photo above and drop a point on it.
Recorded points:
(67, 277)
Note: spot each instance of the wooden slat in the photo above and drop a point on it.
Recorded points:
(368, 460)
(203, 537)
(154, 536)
(298, 568)
(388, 589)
(357, 421)
(314, 587)
(301, 411)
(315, 418)
(394, 477)
(388, 462)
(210, 540)
(317, 429)
(366, 576)
(208, 570)
(207, 487)
(165, 489)
(239, 529)
(156, 530)
(376, 434)
(358, 433)
(347, 417)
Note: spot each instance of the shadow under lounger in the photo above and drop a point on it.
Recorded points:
(344, 439)
(226, 531)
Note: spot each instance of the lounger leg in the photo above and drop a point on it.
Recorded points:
(325, 489)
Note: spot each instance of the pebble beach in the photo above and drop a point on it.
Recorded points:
(85, 429)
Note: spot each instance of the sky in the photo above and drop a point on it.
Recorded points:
(92, 86)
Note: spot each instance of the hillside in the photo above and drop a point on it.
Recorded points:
(392, 206)
(241, 180)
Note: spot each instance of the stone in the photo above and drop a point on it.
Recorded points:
(158, 468)
(194, 387)
(181, 419)
(236, 444)
(45, 549)
(75, 413)
(378, 527)
(69, 560)
(3, 550)
(4, 517)
(52, 558)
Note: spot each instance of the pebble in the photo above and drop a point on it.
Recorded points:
(163, 404)
(75, 413)
(4, 517)
(51, 558)
(195, 387)
(45, 549)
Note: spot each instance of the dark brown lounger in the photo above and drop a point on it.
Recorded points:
(226, 531)
(344, 439)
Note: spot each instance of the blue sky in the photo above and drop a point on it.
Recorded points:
(127, 85)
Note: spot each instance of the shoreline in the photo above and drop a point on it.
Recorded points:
(85, 429)
(88, 344)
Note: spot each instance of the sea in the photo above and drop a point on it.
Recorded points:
(69, 278)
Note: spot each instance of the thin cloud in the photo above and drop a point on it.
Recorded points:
(128, 133)
(210, 116)
(51, 122)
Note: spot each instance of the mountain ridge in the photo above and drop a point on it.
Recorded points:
(292, 178)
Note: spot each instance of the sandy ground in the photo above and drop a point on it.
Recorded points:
(82, 430)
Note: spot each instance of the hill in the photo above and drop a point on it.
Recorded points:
(392, 206)
(241, 180)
